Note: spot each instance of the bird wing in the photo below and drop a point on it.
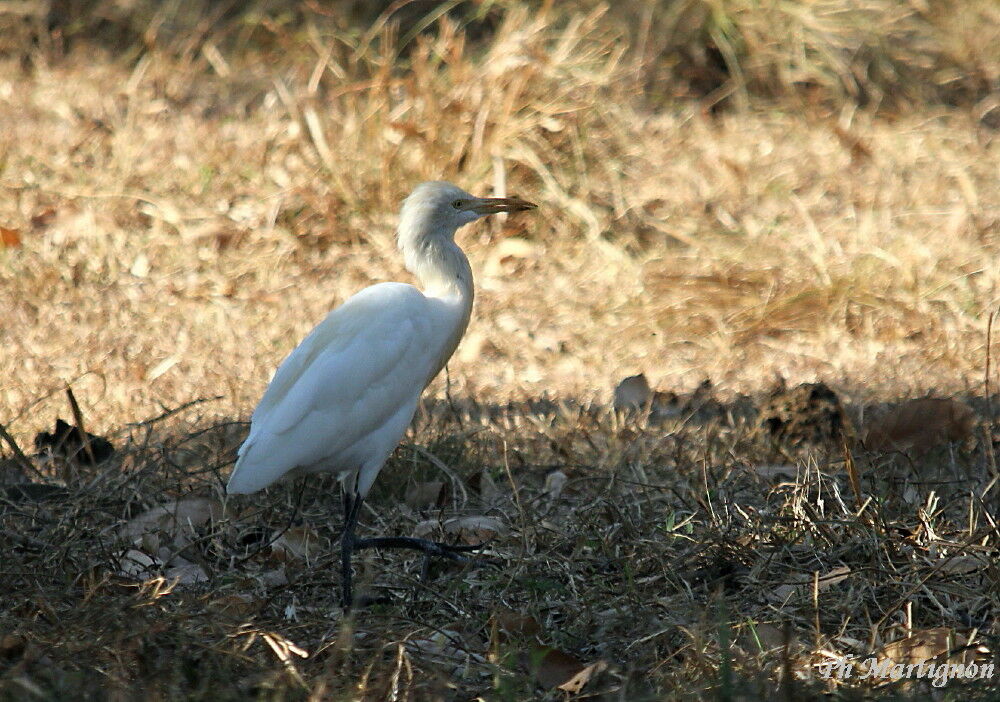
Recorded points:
(346, 379)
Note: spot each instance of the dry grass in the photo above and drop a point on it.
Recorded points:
(818, 201)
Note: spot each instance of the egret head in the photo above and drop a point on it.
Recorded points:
(437, 207)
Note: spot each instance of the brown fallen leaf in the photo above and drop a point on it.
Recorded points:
(920, 425)
(560, 670)
(185, 572)
(483, 484)
(9, 237)
(177, 519)
(510, 623)
(803, 583)
(941, 643)
(575, 684)
(297, 544)
(767, 636)
(470, 530)
(427, 495)
(554, 669)
(633, 393)
(236, 606)
(781, 470)
(43, 218)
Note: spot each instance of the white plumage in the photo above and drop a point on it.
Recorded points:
(342, 400)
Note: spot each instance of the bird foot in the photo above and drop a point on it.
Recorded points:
(430, 549)
(452, 552)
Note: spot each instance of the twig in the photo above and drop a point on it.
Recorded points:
(279, 534)
(852, 473)
(172, 412)
(934, 571)
(439, 464)
(451, 400)
(23, 461)
(42, 398)
(78, 418)
(988, 430)
(986, 374)
(517, 498)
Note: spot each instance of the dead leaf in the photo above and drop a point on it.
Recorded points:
(274, 578)
(177, 519)
(576, 684)
(296, 544)
(507, 250)
(632, 393)
(136, 564)
(513, 623)
(173, 523)
(833, 577)
(920, 425)
(803, 583)
(557, 669)
(10, 237)
(961, 565)
(470, 530)
(236, 605)
(483, 483)
(554, 484)
(928, 644)
(185, 572)
(777, 471)
(552, 668)
(768, 636)
(443, 643)
(427, 495)
(140, 266)
(43, 218)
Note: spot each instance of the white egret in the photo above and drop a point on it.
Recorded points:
(341, 401)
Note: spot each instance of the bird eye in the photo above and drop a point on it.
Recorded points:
(457, 204)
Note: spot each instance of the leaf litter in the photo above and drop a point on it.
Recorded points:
(248, 565)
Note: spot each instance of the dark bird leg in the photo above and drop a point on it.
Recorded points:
(348, 544)
(431, 548)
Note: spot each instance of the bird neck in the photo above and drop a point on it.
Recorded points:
(441, 267)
